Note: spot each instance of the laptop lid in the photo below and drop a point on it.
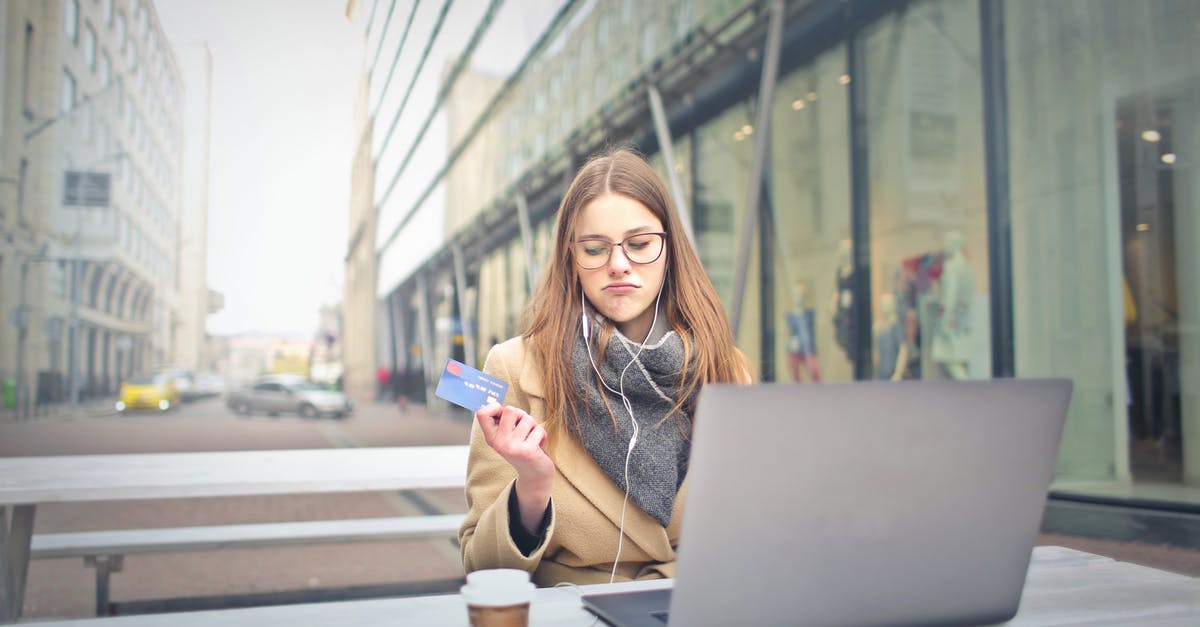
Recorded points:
(860, 503)
(865, 503)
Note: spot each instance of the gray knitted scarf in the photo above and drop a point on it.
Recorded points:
(659, 460)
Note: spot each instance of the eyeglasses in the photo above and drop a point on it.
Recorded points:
(642, 248)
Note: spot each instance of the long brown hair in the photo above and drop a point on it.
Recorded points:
(689, 300)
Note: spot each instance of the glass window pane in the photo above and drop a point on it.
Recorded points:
(1104, 104)
(722, 150)
(810, 188)
(929, 256)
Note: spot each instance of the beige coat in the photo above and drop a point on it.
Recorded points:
(581, 541)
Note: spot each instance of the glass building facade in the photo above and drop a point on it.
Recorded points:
(952, 189)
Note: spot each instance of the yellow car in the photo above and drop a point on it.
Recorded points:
(152, 391)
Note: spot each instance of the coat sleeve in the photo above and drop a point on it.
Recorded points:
(484, 536)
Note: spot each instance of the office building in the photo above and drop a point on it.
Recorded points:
(951, 189)
(90, 292)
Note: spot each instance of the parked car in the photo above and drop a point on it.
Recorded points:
(184, 381)
(280, 394)
(155, 391)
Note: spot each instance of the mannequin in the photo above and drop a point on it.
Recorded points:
(891, 354)
(843, 301)
(802, 346)
(951, 327)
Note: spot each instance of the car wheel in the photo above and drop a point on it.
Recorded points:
(339, 415)
(308, 411)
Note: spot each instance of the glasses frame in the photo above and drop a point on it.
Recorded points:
(613, 245)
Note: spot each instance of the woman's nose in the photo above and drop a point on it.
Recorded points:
(617, 261)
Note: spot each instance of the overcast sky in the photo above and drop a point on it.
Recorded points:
(284, 77)
(285, 74)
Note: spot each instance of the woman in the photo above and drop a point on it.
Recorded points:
(622, 332)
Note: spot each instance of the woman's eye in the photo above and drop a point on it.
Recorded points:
(594, 251)
(637, 244)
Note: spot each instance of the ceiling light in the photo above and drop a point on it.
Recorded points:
(1151, 135)
(1168, 158)
(844, 79)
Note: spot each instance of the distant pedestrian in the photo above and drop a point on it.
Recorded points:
(382, 379)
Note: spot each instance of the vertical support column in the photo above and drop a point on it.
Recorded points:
(860, 208)
(762, 130)
(531, 270)
(425, 322)
(460, 290)
(999, 208)
(663, 130)
(14, 542)
(1187, 277)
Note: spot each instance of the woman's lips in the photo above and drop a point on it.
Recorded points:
(620, 288)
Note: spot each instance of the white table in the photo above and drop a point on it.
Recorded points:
(27, 481)
(1064, 587)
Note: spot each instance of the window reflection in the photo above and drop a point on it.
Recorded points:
(927, 194)
(810, 189)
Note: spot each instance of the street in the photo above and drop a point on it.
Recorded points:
(64, 588)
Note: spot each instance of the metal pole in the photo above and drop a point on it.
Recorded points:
(22, 334)
(531, 270)
(425, 321)
(762, 125)
(460, 285)
(663, 130)
(76, 330)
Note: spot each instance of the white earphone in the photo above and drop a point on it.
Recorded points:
(586, 329)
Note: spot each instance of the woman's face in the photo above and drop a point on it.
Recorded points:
(621, 290)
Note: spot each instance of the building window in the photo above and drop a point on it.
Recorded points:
(121, 31)
(928, 225)
(85, 123)
(66, 100)
(809, 177)
(22, 174)
(71, 20)
(107, 11)
(26, 71)
(105, 69)
(89, 46)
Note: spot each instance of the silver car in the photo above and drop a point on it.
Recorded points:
(281, 394)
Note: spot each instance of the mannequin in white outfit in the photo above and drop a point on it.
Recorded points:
(952, 324)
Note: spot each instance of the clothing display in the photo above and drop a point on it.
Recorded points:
(952, 324)
(579, 543)
(843, 316)
(888, 341)
(802, 332)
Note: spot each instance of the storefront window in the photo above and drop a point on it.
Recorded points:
(928, 225)
(810, 190)
(1104, 132)
(722, 151)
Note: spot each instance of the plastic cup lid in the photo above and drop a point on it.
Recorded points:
(498, 587)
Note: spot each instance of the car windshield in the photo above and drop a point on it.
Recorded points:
(307, 386)
(149, 379)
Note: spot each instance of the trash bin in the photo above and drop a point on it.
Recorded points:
(10, 393)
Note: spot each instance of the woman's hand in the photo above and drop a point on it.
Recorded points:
(519, 439)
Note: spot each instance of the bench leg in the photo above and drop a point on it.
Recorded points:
(14, 560)
(105, 565)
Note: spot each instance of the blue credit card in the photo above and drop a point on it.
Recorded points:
(469, 388)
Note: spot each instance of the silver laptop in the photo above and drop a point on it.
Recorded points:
(869, 503)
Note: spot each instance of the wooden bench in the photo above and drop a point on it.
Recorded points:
(105, 550)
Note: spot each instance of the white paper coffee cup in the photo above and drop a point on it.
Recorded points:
(498, 597)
